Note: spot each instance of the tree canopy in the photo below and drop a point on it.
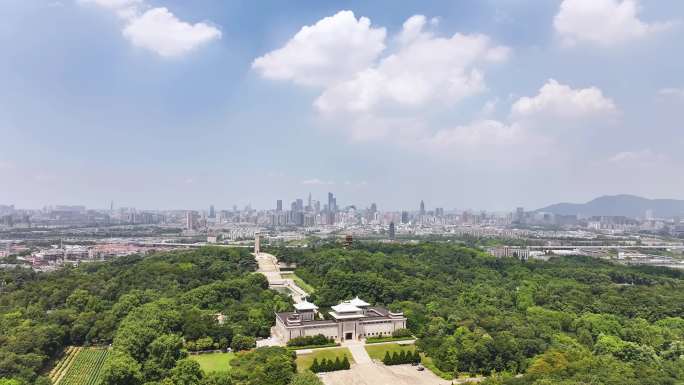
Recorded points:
(571, 318)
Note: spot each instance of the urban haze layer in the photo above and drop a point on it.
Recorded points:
(47, 238)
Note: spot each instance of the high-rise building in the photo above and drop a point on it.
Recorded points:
(404, 217)
(189, 220)
(212, 212)
(439, 211)
(332, 208)
(519, 214)
(392, 231)
(332, 202)
(299, 204)
(279, 205)
(422, 208)
(373, 208)
(308, 203)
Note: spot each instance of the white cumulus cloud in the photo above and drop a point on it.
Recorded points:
(341, 54)
(561, 101)
(603, 22)
(158, 29)
(162, 32)
(402, 94)
(334, 48)
(426, 69)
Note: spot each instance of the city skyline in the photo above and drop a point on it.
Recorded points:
(476, 104)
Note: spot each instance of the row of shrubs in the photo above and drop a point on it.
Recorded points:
(329, 365)
(318, 339)
(405, 357)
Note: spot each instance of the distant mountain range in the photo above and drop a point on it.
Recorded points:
(620, 205)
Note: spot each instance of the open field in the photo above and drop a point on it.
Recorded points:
(213, 362)
(305, 360)
(377, 351)
(85, 367)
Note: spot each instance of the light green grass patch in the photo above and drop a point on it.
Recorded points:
(213, 362)
(304, 361)
(300, 282)
(377, 351)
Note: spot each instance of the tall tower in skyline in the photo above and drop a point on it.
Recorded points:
(212, 211)
(331, 199)
(422, 208)
(308, 204)
(190, 220)
(332, 208)
(279, 205)
(392, 231)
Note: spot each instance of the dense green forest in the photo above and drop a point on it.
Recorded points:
(573, 320)
(146, 308)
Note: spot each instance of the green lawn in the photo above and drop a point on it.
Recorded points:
(213, 362)
(377, 340)
(300, 282)
(377, 351)
(304, 361)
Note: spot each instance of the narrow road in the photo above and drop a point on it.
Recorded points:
(358, 351)
(268, 266)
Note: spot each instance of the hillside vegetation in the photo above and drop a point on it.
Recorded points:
(574, 320)
(150, 309)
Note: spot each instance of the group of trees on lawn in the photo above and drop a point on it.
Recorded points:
(151, 309)
(329, 365)
(403, 357)
(267, 365)
(573, 318)
(318, 339)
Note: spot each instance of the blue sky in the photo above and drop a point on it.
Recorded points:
(465, 104)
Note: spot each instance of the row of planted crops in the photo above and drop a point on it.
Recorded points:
(62, 366)
(80, 366)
